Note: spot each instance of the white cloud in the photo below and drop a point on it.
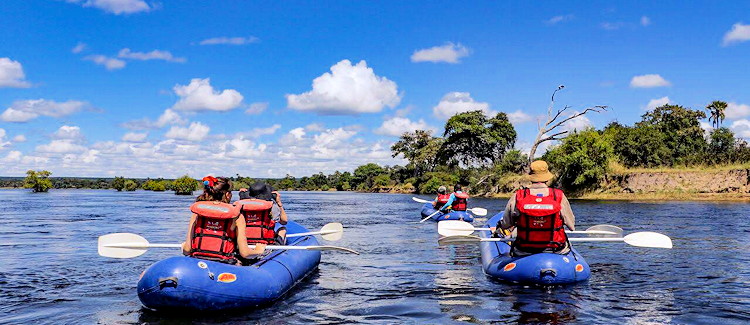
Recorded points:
(107, 62)
(241, 148)
(348, 89)
(66, 132)
(134, 137)
(257, 108)
(200, 96)
(80, 47)
(577, 124)
(657, 102)
(266, 131)
(649, 81)
(195, 132)
(449, 53)
(3, 143)
(458, 102)
(116, 7)
(19, 138)
(11, 74)
(735, 111)
(519, 117)
(12, 156)
(314, 127)
(396, 126)
(645, 21)
(230, 40)
(169, 117)
(26, 110)
(61, 146)
(741, 128)
(126, 53)
(707, 128)
(560, 19)
(739, 33)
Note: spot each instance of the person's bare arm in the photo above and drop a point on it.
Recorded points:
(567, 214)
(186, 246)
(242, 245)
(282, 213)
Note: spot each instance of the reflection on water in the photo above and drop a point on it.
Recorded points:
(50, 273)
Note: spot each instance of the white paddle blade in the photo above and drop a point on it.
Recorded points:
(122, 245)
(458, 240)
(648, 239)
(613, 231)
(419, 200)
(455, 228)
(479, 211)
(332, 231)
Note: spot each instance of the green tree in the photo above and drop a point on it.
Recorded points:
(287, 183)
(420, 148)
(364, 175)
(581, 160)
(643, 146)
(472, 138)
(130, 185)
(118, 183)
(185, 185)
(433, 180)
(38, 181)
(716, 110)
(682, 132)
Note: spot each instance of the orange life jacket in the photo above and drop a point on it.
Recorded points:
(540, 225)
(259, 224)
(459, 201)
(214, 235)
(442, 199)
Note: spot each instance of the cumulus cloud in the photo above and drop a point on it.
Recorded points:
(396, 126)
(134, 137)
(66, 132)
(741, 128)
(519, 117)
(169, 117)
(735, 110)
(107, 62)
(347, 90)
(61, 146)
(230, 40)
(559, 19)
(80, 47)
(195, 132)
(12, 156)
(645, 21)
(3, 142)
(458, 102)
(117, 7)
(126, 53)
(19, 138)
(649, 81)
(11, 74)
(738, 34)
(577, 124)
(449, 53)
(657, 102)
(26, 110)
(199, 95)
(257, 108)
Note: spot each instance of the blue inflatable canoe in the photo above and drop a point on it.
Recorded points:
(540, 269)
(427, 210)
(183, 282)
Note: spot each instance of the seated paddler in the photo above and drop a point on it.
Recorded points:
(260, 205)
(217, 229)
(457, 201)
(538, 214)
(442, 197)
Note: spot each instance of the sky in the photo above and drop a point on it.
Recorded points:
(142, 88)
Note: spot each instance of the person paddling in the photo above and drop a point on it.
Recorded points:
(259, 205)
(457, 201)
(539, 213)
(217, 229)
(442, 197)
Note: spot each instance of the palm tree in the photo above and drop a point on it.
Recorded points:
(716, 108)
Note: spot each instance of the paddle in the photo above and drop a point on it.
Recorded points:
(640, 239)
(126, 245)
(420, 200)
(332, 232)
(428, 217)
(457, 228)
(476, 211)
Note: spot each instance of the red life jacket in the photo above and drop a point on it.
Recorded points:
(214, 235)
(442, 199)
(259, 224)
(459, 201)
(540, 225)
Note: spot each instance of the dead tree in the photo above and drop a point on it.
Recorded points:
(552, 123)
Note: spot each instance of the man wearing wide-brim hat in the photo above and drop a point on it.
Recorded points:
(537, 197)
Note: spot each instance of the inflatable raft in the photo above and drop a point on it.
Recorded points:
(183, 282)
(540, 269)
(428, 209)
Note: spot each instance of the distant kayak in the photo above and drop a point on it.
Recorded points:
(183, 282)
(541, 269)
(428, 209)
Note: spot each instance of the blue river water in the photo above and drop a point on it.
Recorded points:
(50, 271)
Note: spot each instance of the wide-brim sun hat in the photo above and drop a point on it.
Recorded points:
(540, 172)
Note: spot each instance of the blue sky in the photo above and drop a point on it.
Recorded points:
(158, 89)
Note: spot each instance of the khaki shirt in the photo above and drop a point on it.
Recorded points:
(511, 212)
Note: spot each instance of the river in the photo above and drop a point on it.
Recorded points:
(50, 271)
